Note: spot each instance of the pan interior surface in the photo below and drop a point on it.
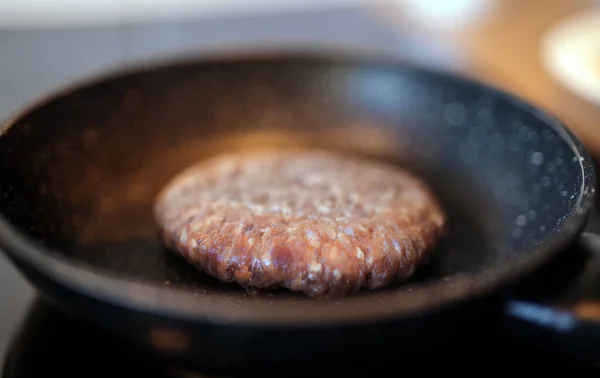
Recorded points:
(78, 175)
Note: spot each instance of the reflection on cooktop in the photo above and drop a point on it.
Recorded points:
(52, 343)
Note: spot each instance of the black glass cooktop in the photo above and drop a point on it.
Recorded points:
(54, 344)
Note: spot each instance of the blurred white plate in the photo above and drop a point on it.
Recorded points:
(570, 52)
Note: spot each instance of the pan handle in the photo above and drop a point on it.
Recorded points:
(560, 311)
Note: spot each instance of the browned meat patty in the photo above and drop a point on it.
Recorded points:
(310, 221)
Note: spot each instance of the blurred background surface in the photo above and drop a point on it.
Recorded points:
(545, 51)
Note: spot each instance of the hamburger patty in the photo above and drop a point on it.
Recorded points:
(310, 221)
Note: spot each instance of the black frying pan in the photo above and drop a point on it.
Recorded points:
(79, 171)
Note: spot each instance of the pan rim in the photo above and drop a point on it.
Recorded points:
(170, 303)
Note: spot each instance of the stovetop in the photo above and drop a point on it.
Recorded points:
(49, 342)
(52, 343)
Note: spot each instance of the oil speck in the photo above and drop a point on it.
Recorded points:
(513, 143)
(524, 133)
(537, 158)
(477, 136)
(132, 101)
(89, 138)
(455, 114)
(107, 205)
(77, 220)
(468, 153)
(57, 191)
(545, 181)
(496, 144)
(92, 173)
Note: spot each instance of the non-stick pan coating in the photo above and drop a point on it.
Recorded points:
(79, 173)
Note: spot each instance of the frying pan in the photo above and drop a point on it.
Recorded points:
(79, 171)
